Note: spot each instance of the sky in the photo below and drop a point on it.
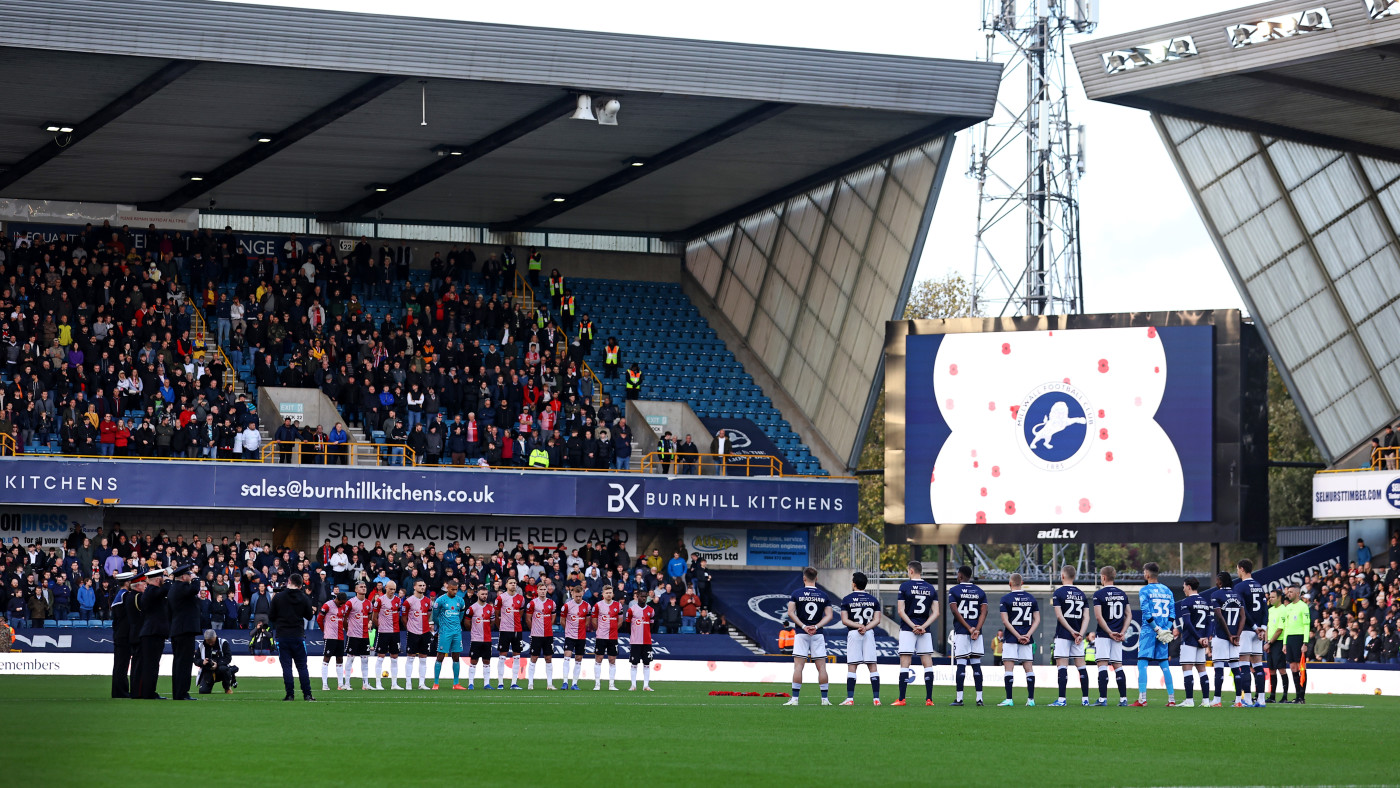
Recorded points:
(1143, 244)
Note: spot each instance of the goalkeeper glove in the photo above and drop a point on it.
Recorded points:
(1164, 636)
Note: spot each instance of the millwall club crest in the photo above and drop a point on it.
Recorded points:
(1054, 424)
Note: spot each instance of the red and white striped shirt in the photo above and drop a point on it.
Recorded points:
(576, 619)
(608, 614)
(332, 621)
(542, 617)
(481, 613)
(386, 613)
(509, 609)
(357, 617)
(641, 617)
(417, 611)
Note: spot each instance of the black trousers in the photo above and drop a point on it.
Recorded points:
(207, 678)
(134, 647)
(292, 651)
(121, 669)
(182, 670)
(151, 648)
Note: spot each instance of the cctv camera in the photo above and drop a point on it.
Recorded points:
(212, 203)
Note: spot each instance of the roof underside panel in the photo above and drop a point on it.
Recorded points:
(1319, 261)
(312, 39)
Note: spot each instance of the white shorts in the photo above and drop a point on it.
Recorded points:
(810, 646)
(1106, 649)
(1193, 655)
(965, 647)
(1066, 648)
(909, 643)
(1250, 645)
(1222, 651)
(1016, 652)
(861, 648)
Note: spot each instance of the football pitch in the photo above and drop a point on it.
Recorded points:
(65, 731)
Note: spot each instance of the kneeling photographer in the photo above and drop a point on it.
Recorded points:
(215, 659)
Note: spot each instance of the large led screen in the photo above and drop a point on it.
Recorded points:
(1089, 425)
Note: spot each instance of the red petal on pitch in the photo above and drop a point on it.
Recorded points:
(1137, 401)
(1157, 369)
(1006, 348)
(1151, 333)
(996, 470)
(991, 406)
(1103, 434)
(1084, 504)
(984, 492)
(952, 369)
(1066, 381)
(948, 403)
(1010, 507)
(1103, 365)
(1014, 409)
(1108, 456)
(982, 517)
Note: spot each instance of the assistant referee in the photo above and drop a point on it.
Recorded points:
(1297, 628)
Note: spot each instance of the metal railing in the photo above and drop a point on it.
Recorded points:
(1383, 458)
(713, 464)
(523, 292)
(327, 453)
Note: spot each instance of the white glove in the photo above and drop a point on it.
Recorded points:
(1164, 635)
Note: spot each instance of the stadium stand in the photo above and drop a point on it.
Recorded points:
(1356, 612)
(111, 352)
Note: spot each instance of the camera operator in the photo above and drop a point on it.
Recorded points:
(215, 663)
(291, 607)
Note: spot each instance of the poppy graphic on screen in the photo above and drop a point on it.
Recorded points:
(1052, 427)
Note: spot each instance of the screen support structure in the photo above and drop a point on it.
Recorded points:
(1041, 273)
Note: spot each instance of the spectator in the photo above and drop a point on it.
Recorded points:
(87, 599)
(1363, 553)
(690, 606)
(40, 604)
(689, 455)
(675, 568)
(286, 438)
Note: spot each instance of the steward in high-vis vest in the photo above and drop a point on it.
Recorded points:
(634, 382)
(566, 310)
(585, 336)
(539, 458)
(612, 358)
(556, 287)
(535, 263)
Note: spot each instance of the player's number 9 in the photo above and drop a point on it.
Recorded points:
(811, 608)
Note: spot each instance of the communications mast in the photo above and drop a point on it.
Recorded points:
(1027, 160)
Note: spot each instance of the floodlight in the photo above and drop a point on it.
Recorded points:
(192, 176)
(585, 108)
(59, 128)
(607, 114)
(261, 137)
(635, 162)
(556, 197)
(378, 187)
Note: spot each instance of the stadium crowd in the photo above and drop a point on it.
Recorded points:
(1356, 609)
(99, 354)
(237, 577)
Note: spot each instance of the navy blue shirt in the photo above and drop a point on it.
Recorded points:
(968, 599)
(918, 597)
(1020, 609)
(1256, 602)
(1113, 604)
(1231, 607)
(860, 607)
(811, 605)
(1193, 617)
(1070, 601)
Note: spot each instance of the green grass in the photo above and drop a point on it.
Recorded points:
(65, 731)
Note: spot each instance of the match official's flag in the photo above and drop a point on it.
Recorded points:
(1303, 671)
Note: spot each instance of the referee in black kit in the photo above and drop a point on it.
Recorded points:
(291, 607)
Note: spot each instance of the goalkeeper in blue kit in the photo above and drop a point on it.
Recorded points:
(1158, 608)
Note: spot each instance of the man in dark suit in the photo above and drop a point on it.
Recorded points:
(184, 629)
(135, 619)
(121, 638)
(155, 628)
